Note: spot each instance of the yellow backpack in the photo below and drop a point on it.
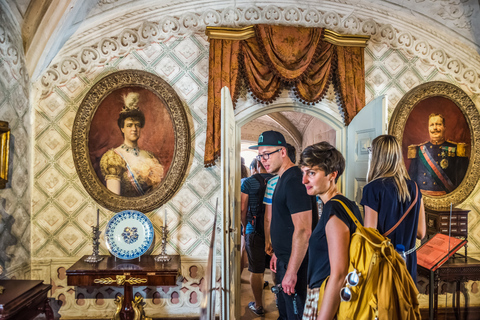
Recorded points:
(385, 290)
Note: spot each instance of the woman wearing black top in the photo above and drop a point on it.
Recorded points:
(387, 196)
(322, 165)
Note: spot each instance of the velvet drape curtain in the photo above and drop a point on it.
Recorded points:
(280, 56)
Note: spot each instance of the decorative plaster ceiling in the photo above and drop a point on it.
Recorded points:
(452, 23)
(298, 119)
(265, 120)
(95, 45)
(456, 15)
(19, 8)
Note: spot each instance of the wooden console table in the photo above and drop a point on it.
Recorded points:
(459, 270)
(127, 273)
(24, 299)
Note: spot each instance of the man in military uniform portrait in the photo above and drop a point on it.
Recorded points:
(438, 165)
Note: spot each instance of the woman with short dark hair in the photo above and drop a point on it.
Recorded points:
(329, 244)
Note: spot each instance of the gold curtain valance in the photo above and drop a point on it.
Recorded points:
(225, 33)
(270, 57)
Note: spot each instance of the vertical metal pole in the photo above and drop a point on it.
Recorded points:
(430, 297)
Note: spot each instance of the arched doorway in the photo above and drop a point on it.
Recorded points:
(300, 125)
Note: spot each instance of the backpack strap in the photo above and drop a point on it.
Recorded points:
(259, 178)
(350, 213)
(405, 214)
(263, 183)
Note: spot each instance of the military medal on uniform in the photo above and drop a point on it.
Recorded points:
(446, 152)
(444, 163)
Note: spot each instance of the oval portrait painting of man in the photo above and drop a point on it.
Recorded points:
(131, 141)
(436, 146)
(437, 124)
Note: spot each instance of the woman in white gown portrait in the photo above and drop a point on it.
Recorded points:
(128, 170)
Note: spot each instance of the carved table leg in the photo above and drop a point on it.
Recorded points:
(456, 296)
(48, 310)
(127, 312)
(463, 289)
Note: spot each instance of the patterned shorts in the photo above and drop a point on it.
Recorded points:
(311, 305)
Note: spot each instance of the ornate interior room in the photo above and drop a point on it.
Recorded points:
(63, 63)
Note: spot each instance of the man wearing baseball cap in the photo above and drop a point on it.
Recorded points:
(293, 218)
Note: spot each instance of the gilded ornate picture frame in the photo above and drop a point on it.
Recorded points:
(131, 141)
(4, 153)
(448, 171)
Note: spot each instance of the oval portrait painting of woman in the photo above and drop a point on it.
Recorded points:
(131, 141)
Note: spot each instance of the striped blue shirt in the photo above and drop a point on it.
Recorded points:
(271, 184)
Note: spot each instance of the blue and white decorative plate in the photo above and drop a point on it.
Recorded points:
(129, 234)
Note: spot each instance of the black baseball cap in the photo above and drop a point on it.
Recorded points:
(270, 139)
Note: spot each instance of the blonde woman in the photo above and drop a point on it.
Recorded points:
(388, 195)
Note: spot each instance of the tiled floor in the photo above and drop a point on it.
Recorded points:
(247, 296)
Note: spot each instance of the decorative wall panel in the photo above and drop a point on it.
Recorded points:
(15, 109)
